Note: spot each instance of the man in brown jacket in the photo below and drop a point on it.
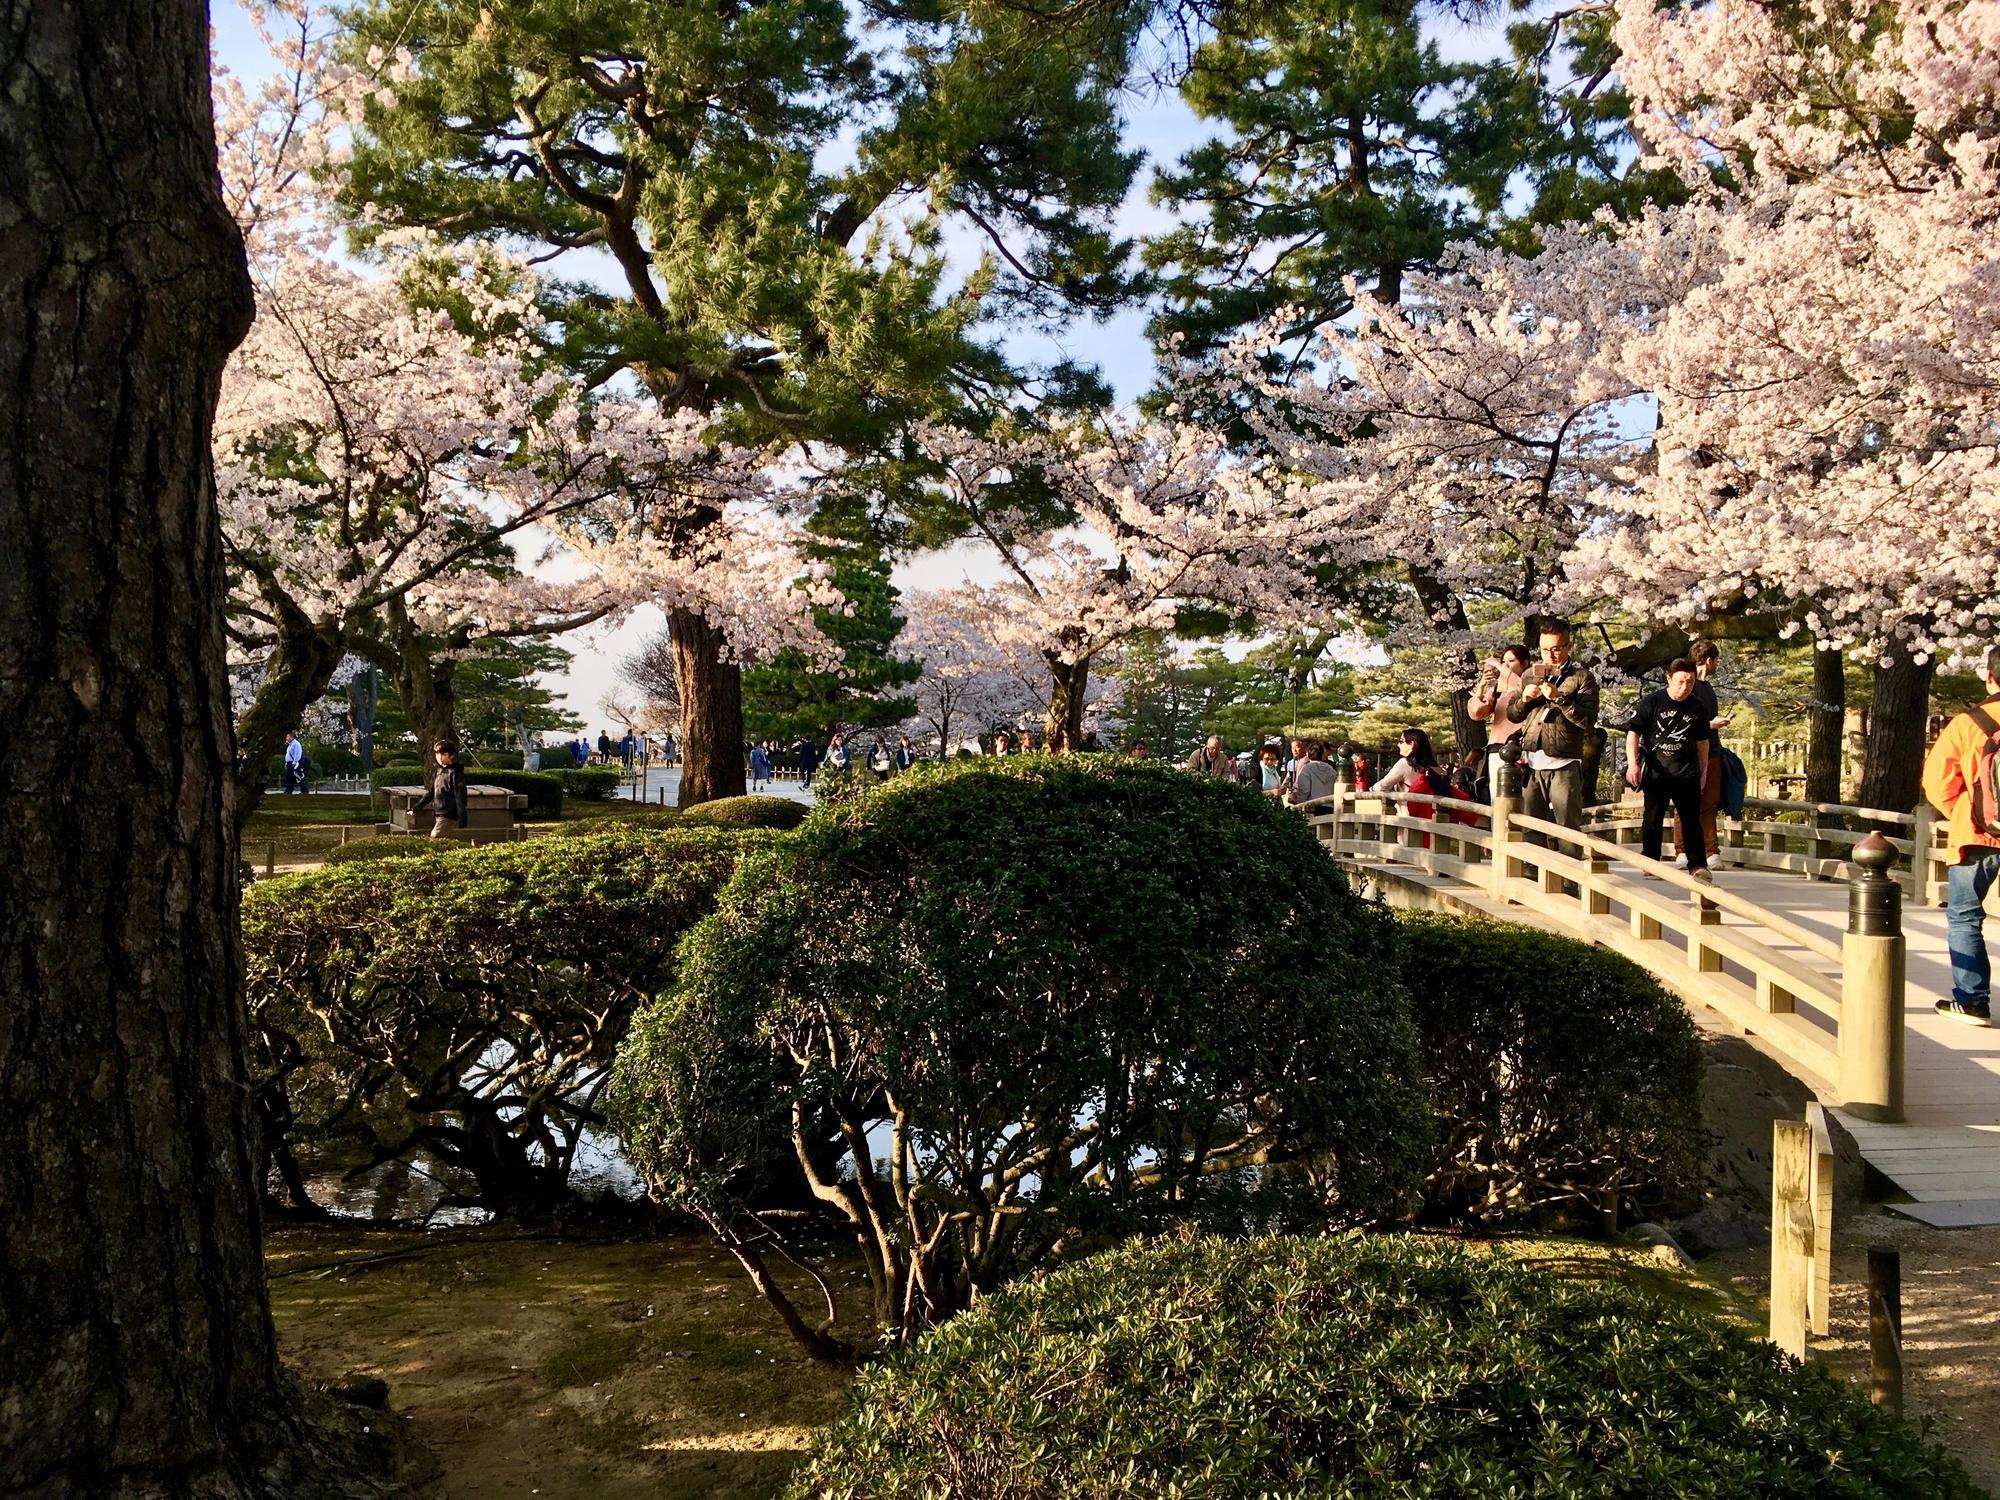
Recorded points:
(1950, 774)
(1556, 707)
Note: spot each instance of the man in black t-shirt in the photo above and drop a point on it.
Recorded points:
(1706, 659)
(1667, 753)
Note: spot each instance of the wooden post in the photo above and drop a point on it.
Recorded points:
(1819, 1278)
(1596, 899)
(270, 859)
(1506, 807)
(1791, 1233)
(1871, 987)
(344, 830)
(1885, 1329)
(1923, 833)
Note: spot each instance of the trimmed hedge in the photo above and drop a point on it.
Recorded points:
(597, 783)
(1370, 1368)
(1037, 989)
(646, 818)
(746, 812)
(392, 846)
(468, 1007)
(544, 789)
(1562, 1075)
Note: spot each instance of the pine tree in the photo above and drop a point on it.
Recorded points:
(771, 179)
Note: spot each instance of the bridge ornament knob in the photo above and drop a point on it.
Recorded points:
(1874, 900)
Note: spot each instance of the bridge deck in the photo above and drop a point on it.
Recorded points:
(1946, 1153)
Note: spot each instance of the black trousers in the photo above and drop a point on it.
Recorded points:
(1683, 795)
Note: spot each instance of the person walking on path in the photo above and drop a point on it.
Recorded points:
(906, 753)
(295, 765)
(1962, 781)
(626, 746)
(1210, 760)
(807, 751)
(1706, 658)
(836, 753)
(1556, 707)
(880, 761)
(1314, 779)
(1668, 761)
(445, 791)
(760, 766)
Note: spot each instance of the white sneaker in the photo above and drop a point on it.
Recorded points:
(1680, 861)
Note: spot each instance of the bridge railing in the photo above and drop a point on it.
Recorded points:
(1808, 838)
(1766, 972)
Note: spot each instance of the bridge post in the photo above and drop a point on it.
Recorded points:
(1871, 986)
(1923, 832)
(1506, 807)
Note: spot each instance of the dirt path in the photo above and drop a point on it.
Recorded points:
(1951, 1322)
(573, 1367)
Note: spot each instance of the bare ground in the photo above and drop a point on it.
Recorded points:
(1951, 1322)
(563, 1367)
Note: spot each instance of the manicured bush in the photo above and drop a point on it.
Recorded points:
(586, 825)
(747, 812)
(544, 789)
(1009, 1011)
(492, 760)
(1364, 1368)
(1562, 1075)
(392, 846)
(594, 782)
(469, 1007)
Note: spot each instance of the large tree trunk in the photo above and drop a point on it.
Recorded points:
(136, 1347)
(1892, 771)
(1826, 717)
(304, 661)
(362, 699)
(1069, 691)
(425, 684)
(711, 690)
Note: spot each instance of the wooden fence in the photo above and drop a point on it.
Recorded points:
(1767, 973)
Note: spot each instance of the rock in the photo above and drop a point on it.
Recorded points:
(1664, 1245)
(1719, 1224)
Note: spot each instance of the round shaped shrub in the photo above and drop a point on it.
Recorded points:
(1562, 1075)
(1362, 1368)
(1000, 1012)
(746, 812)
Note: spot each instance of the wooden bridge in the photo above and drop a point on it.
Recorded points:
(1827, 951)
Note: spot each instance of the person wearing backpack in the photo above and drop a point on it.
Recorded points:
(1962, 781)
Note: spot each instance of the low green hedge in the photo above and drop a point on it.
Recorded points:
(391, 846)
(544, 789)
(1362, 1368)
(746, 812)
(594, 782)
(1562, 1076)
(654, 819)
(463, 1007)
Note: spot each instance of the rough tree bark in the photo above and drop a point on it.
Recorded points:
(711, 694)
(1892, 770)
(1826, 720)
(136, 1349)
(362, 699)
(1069, 691)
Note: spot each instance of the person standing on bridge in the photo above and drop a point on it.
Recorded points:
(1962, 781)
(1706, 658)
(1556, 707)
(1668, 762)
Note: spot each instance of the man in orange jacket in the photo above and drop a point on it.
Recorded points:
(1949, 774)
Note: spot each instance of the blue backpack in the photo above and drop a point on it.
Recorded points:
(1735, 782)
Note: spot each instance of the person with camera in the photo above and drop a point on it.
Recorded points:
(1556, 707)
(1500, 677)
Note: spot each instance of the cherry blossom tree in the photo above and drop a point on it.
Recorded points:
(969, 684)
(1829, 396)
(1156, 516)
(387, 443)
(1464, 439)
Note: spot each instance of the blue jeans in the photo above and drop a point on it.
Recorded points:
(1965, 921)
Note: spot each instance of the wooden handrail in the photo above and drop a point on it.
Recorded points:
(1716, 895)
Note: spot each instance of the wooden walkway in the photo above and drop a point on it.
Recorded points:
(1944, 1153)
